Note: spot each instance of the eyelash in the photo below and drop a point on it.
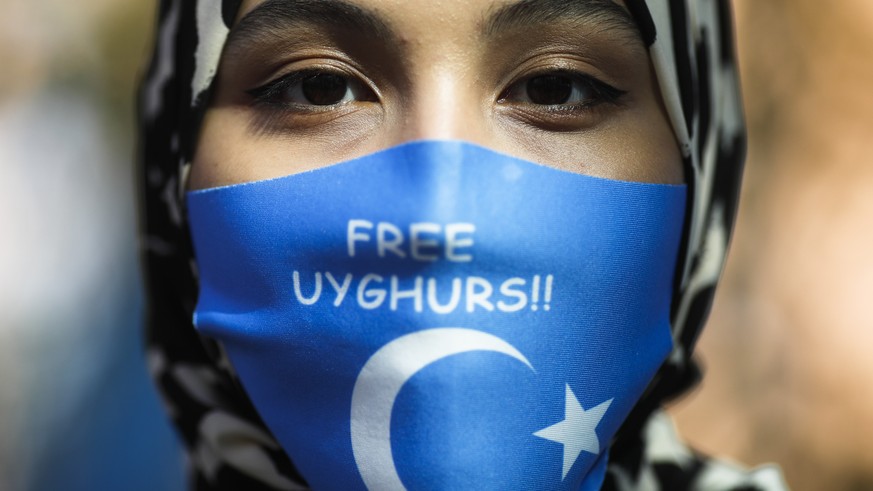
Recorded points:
(268, 94)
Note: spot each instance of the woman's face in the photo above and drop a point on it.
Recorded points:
(307, 83)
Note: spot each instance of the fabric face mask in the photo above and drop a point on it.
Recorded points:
(440, 316)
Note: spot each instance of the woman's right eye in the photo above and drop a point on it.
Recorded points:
(313, 89)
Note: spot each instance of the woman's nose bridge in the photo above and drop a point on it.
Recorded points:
(445, 106)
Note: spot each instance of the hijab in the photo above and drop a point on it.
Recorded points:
(228, 446)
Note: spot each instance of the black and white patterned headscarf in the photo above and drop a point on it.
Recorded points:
(691, 46)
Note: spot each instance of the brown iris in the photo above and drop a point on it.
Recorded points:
(549, 90)
(324, 89)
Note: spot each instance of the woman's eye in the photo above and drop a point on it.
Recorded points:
(323, 89)
(313, 89)
(551, 90)
(558, 89)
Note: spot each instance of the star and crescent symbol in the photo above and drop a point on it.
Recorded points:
(383, 376)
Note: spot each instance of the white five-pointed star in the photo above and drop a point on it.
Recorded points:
(576, 431)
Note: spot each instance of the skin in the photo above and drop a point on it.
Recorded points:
(442, 72)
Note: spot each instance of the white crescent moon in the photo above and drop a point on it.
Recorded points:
(380, 381)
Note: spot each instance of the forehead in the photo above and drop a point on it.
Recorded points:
(452, 17)
(461, 7)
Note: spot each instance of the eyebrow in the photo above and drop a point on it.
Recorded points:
(271, 18)
(526, 13)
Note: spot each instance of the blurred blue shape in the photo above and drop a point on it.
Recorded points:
(83, 414)
(120, 440)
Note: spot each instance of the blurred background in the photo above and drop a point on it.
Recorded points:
(789, 378)
(77, 410)
(787, 352)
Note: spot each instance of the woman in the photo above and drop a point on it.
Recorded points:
(498, 283)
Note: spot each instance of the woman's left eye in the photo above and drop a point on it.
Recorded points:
(561, 89)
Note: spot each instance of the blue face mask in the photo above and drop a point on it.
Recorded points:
(440, 316)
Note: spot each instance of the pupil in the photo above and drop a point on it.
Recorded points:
(324, 89)
(549, 90)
